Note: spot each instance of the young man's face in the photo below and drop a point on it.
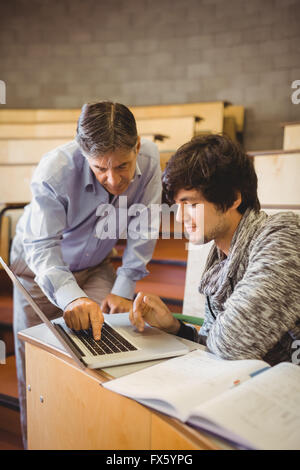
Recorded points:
(115, 170)
(203, 222)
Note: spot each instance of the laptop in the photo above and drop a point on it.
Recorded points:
(120, 343)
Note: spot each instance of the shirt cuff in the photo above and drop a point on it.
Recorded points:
(124, 287)
(67, 293)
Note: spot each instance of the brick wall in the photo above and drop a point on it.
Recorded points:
(61, 53)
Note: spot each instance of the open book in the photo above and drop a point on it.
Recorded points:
(246, 402)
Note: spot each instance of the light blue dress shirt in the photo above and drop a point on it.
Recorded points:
(59, 231)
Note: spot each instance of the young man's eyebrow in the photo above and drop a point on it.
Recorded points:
(184, 199)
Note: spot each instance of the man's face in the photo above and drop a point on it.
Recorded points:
(203, 222)
(115, 170)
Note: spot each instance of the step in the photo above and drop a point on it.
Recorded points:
(5, 283)
(8, 378)
(7, 335)
(10, 441)
(172, 251)
(6, 320)
(166, 281)
(10, 429)
(167, 271)
(6, 309)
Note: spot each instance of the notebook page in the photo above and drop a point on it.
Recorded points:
(177, 385)
(264, 410)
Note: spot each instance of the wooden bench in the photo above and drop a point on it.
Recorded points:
(30, 116)
(210, 113)
(234, 122)
(60, 130)
(26, 151)
(291, 136)
(175, 131)
(278, 176)
(215, 117)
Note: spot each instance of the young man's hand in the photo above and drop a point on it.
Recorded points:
(151, 309)
(116, 304)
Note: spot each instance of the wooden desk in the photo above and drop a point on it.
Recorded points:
(291, 135)
(68, 409)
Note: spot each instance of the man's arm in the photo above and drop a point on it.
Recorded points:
(42, 239)
(42, 245)
(138, 252)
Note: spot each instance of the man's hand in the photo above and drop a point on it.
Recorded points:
(116, 304)
(83, 313)
(152, 310)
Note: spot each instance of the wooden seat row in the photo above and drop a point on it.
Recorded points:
(212, 114)
(174, 119)
(26, 135)
(277, 178)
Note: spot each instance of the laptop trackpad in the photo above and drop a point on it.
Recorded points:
(148, 331)
(121, 323)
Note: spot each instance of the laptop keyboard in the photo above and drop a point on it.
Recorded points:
(111, 341)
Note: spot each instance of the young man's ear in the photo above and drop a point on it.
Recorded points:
(238, 201)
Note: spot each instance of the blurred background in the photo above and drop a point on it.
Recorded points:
(184, 67)
(61, 53)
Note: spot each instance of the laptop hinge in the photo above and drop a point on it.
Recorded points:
(72, 345)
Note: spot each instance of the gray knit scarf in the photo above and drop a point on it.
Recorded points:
(221, 273)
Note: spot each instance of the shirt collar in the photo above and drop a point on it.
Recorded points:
(137, 168)
(89, 178)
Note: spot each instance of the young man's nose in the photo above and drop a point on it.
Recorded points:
(181, 215)
(178, 213)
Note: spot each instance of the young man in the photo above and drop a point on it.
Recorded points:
(252, 276)
(59, 252)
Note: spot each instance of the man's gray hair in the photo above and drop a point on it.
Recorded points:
(105, 127)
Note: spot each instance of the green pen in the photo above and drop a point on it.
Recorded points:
(189, 319)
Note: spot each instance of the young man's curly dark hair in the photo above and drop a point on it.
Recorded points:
(215, 166)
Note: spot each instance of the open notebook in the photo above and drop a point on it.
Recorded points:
(246, 402)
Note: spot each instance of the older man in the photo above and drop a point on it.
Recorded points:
(62, 248)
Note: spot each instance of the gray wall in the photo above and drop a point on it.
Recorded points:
(61, 53)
